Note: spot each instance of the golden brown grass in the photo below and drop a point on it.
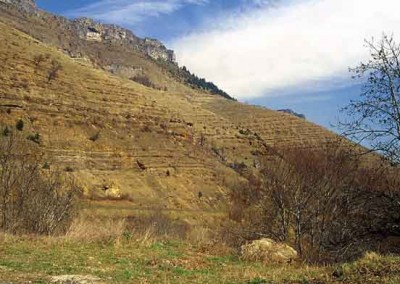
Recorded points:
(178, 172)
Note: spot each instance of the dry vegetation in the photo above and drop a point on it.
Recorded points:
(107, 250)
(322, 202)
(32, 200)
(160, 170)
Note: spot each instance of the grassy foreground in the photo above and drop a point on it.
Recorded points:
(125, 260)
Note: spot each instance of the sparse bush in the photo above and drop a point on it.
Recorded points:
(245, 132)
(6, 131)
(38, 59)
(95, 136)
(143, 80)
(34, 138)
(69, 169)
(20, 125)
(146, 128)
(31, 201)
(54, 70)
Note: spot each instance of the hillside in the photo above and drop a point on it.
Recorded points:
(176, 175)
(158, 148)
(108, 47)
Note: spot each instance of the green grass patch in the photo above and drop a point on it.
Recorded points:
(36, 259)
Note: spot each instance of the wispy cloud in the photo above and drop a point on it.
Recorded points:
(291, 44)
(130, 11)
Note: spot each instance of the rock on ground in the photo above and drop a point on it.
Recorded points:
(75, 279)
(268, 251)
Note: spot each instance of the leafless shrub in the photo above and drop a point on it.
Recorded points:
(320, 201)
(374, 117)
(146, 128)
(32, 201)
(143, 80)
(54, 70)
(38, 60)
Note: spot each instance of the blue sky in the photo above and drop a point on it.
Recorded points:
(277, 53)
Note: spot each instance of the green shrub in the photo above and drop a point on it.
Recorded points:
(34, 138)
(6, 131)
(95, 136)
(20, 125)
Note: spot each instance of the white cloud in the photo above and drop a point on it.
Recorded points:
(130, 12)
(264, 50)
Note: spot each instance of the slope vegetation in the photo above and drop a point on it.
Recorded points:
(171, 149)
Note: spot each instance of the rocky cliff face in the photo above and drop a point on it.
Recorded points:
(109, 47)
(24, 5)
(155, 49)
(89, 30)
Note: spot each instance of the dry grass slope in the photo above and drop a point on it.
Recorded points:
(171, 149)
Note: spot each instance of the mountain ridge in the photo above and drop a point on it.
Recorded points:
(85, 38)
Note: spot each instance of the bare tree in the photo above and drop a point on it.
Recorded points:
(32, 200)
(305, 187)
(54, 70)
(375, 116)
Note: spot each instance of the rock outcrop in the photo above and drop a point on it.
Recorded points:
(268, 251)
(90, 30)
(23, 5)
(155, 49)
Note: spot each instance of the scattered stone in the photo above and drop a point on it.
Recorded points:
(75, 279)
(268, 251)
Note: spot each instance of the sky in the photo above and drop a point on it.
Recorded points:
(276, 53)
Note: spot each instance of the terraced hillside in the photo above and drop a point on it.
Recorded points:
(110, 47)
(172, 148)
(160, 148)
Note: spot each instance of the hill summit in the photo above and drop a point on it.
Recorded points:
(110, 47)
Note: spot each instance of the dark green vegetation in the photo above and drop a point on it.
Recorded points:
(184, 75)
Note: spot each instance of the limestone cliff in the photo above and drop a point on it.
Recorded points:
(92, 31)
(105, 46)
(25, 5)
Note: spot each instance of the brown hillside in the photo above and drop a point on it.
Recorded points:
(175, 149)
(160, 148)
